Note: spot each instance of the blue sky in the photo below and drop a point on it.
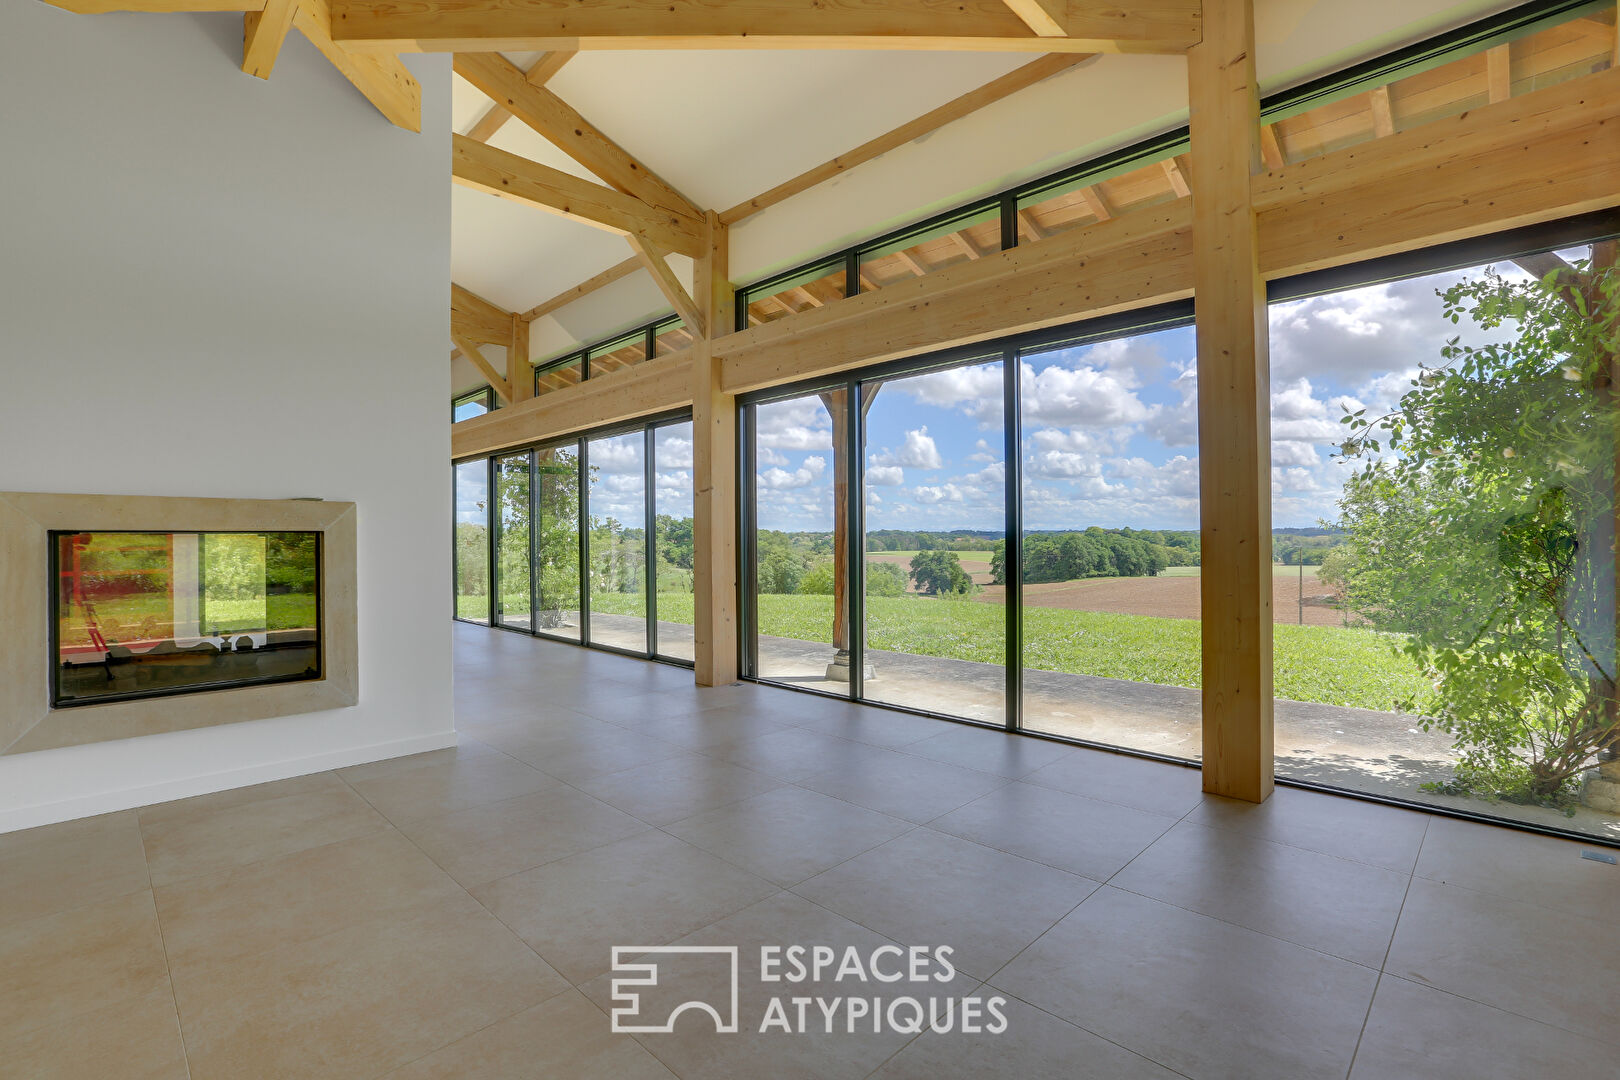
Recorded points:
(1110, 430)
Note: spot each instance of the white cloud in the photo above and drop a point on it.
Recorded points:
(800, 424)
(917, 452)
(617, 456)
(770, 456)
(803, 476)
(673, 451)
(937, 493)
(1081, 397)
(886, 475)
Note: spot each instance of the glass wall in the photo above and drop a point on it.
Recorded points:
(1110, 577)
(470, 405)
(672, 540)
(1443, 454)
(617, 548)
(472, 540)
(513, 595)
(556, 541)
(935, 510)
(800, 451)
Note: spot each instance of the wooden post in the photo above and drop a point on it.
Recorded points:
(519, 372)
(714, 472)
(1234, 432)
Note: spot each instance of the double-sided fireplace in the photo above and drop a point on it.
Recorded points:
(143, 614)
(131, 615)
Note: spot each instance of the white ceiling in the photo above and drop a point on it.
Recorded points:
(724, 126)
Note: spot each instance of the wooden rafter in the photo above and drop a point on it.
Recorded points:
(1383, 115)
(1096, 202)
(1176, 174)
(1146, 26)
(262, 35)
(653, 261)
(485, 368)
(496, 172)
(1010, 83)
(561, 124)
(1029, 227)
(496, 116)
(584, 288)
(965, 245)
(910, 262)
(1044, 17)
(810, 299)
(1271, 149)
(476, 319)
(376, 73)
(1499, 73)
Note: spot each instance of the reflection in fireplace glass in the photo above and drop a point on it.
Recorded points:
(143, 614)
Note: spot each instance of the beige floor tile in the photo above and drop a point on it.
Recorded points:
(202, 806)
(565, 1037)
(234, 914)
(695, 1049)
(1335, 905)
(1034, 1046)
(903, 785)
(789, 834)
(787, 753)
(644, 709)
(75, 962)
(1417, 1031)
(1529, 959)
(927, 888)
(1542, 870)
(409, 788)
(1154, 786)
(1203, 997)
(712, 727)
(202, 842)
(488, 842)
(645, 890)
(1356, 829)
(359, 1001)
(862, 723)
(1071, 832)
(576, 756)
(997, 752)
(138, 1039)
(676, 788)
(57, 867)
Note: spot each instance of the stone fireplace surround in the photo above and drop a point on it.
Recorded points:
(27, 721)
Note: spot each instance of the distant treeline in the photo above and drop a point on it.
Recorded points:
(1097, 552)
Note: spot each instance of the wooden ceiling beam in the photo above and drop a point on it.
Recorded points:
(652, 260)
(584, 288)
(1096, 202)
(102, 7)
(484, 168)
(262, 35)
(1271, 149)
(383, 79)
(1044, 17)
(1382, 113)
(539, 73)
(476, 319)
(1173, 171)
(485, 368)
(558, 122)
(1145, 26)
(1528, 160)
(1499, 73)
(1010, 83)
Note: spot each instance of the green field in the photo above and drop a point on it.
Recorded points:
(1327, 664)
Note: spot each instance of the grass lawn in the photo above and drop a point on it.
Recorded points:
(1327, 664)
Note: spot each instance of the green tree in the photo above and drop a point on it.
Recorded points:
(939, 573)
(1485, 534)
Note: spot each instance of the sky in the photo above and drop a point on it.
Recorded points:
(1110, 430)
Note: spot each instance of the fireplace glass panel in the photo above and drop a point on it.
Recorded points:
(144, 614)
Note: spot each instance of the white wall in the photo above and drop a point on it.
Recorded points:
(213, 285)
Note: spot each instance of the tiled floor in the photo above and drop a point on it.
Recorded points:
(452, 914)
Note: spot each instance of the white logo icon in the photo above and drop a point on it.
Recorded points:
(627, 975)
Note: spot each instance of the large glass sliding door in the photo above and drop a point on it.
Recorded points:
(798, 566)
(934, 511)
(557, 542)
(672, 540)
(513, 596)
(616, 547)
(471, 479)
(1109, 589)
